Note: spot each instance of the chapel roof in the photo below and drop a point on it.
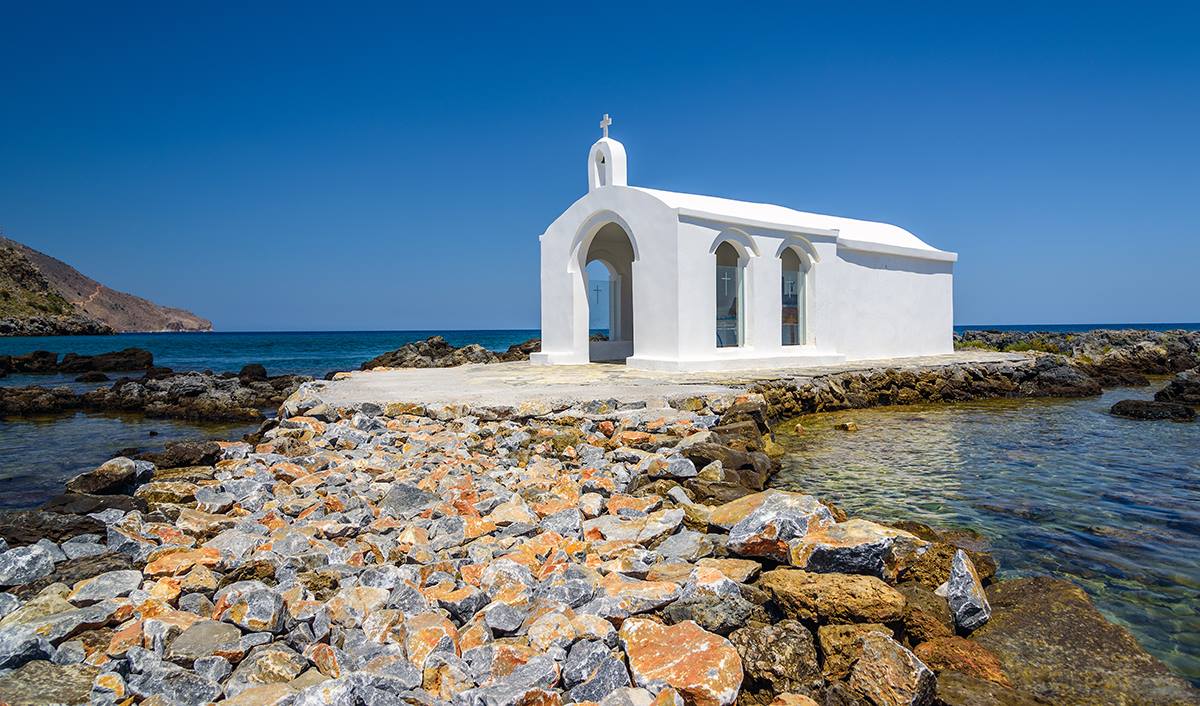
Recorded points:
(873, 232)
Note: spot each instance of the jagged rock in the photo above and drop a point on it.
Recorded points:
(433, 352)
(964, 594)
(855, 546)
(115, 476)
(889, 675)
(841, 646)
(25, 564)
(182, 454)
(769, 529)
(21, 527)
(112, 584)
(833, 598)
(926, 614)
(405, 501)
(174, 685)
(593, 670)
(703, 667)
(1184, 388)
(72, 571)
(1052, 642)
(203, 639)
(42, 682)
(1149, 409)
(720, 614)
(777, 659)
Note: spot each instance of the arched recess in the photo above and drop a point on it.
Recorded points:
(730, 294)
(794, 283)
(611, 246)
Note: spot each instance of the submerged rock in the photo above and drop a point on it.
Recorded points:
(1147, 409)
(1053, 643)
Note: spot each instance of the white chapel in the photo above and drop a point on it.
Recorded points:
(685, 282)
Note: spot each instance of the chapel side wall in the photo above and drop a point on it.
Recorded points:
(885, 306)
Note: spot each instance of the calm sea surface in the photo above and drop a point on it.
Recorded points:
(1059, 487)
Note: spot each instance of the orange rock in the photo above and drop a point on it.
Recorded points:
(704, 668)
(427, 633)
(179, 561)
(325, 659)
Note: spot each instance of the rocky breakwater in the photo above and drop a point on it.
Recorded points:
(193, 396)
(405, 554)
(1033, 375)
(436, 352)
(1114, 357)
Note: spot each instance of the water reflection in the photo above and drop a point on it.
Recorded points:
(1057, 486)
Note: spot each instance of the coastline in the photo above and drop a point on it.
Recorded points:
(463, 492)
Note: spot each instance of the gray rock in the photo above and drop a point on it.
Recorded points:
(56, 554)
(20, 644)
(175, 685)
(112, 584)
(782, 517)
(568, 523)
(257, 611)
(720, 614)
(83, 545)
(25, 564)
(684, 545)
(406, 501)
(609, 675)
(964, 593)
(201, 640)
(214, 668)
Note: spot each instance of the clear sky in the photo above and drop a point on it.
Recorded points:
(292, 166)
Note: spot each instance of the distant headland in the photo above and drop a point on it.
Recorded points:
(44, 296)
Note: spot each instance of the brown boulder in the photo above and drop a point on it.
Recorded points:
(889, 675)
(833, 598)
(777, 659)
(841, 646)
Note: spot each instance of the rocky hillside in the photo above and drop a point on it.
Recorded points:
(40, 295)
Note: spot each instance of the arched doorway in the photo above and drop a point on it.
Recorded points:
(608, 280)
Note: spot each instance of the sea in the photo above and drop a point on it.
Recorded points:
(1055, 487)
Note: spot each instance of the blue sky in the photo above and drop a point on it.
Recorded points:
(286, 166)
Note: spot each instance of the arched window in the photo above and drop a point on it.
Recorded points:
(730, 299)
(792, 318)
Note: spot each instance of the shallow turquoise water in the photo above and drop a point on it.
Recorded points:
(1060, 487)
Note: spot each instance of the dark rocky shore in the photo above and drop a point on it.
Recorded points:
(595, 554)
(158, 392)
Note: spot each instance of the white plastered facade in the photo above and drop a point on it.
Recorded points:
(869, 290)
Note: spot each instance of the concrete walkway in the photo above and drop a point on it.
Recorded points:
(515, 384)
